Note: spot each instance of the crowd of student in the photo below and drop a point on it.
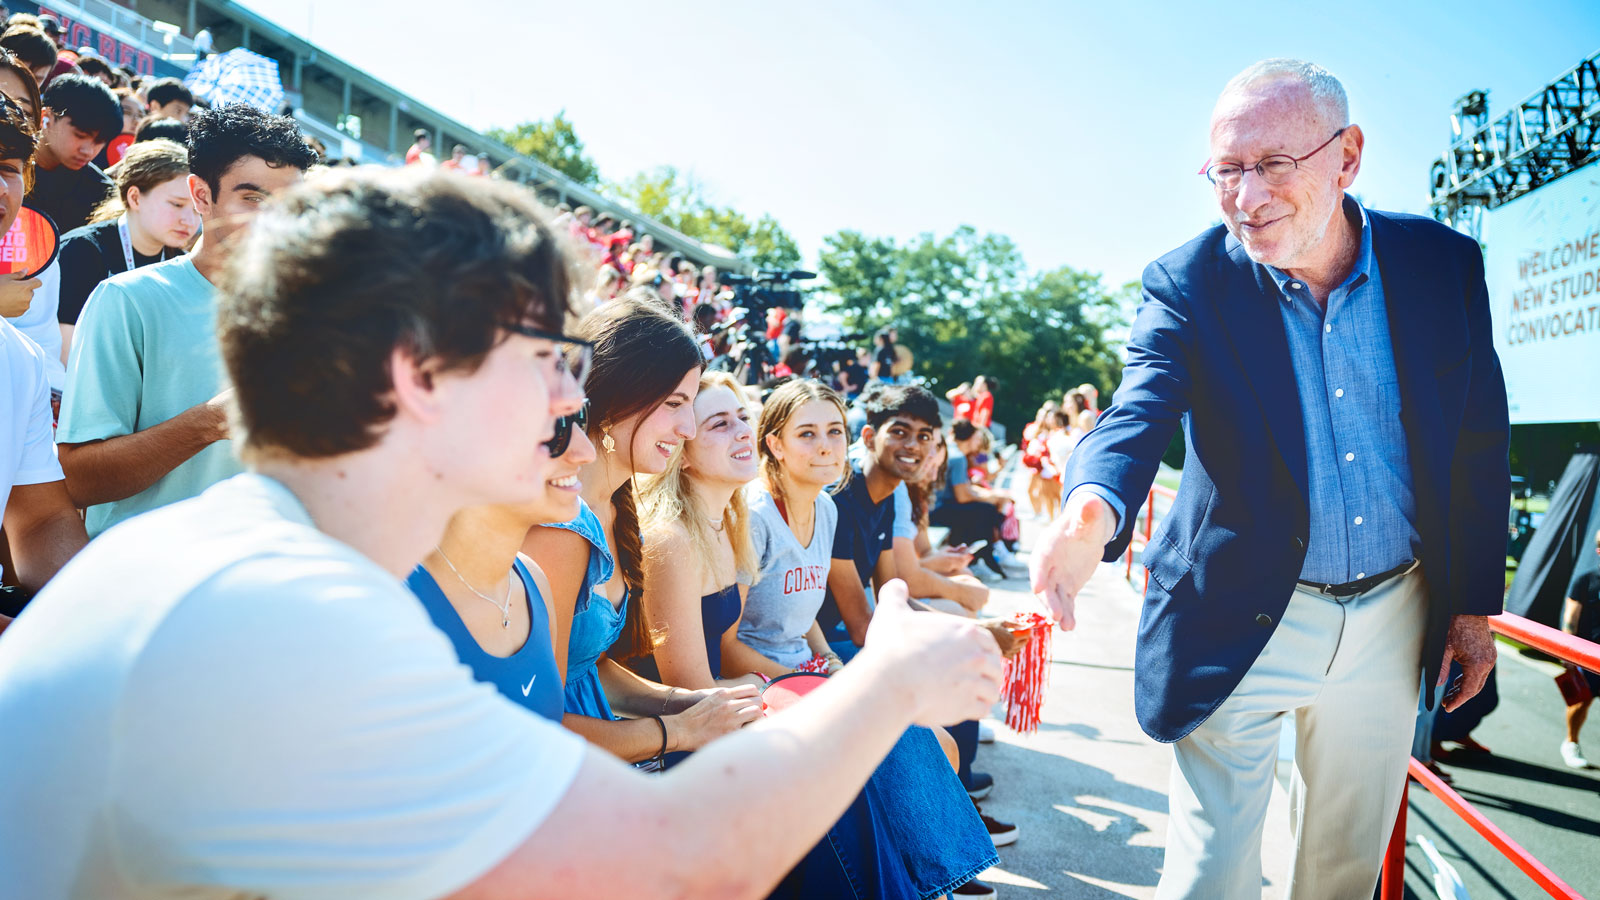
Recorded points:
(262, 406)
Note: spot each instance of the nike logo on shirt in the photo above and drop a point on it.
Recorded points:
(528, 688)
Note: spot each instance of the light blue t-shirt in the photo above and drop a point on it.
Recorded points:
(144, 351)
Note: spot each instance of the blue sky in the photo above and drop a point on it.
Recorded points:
(1076, 128)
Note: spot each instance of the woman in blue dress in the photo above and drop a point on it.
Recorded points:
(916, 833)
(641, 387)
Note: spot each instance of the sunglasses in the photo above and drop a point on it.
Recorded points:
(562, 439)
(573, 356)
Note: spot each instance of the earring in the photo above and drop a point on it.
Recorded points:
(607, 443)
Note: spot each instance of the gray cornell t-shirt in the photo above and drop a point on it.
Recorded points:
(782, 605)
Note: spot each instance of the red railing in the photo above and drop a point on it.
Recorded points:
(1559, 644)
(1149, 528)
(1556, 643)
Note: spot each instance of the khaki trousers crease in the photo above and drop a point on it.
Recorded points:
(1346, 670)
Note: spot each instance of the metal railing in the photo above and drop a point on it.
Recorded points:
(168, 44)
(1559, 644)
(1563, 646)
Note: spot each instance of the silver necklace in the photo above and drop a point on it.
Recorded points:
(505, 607)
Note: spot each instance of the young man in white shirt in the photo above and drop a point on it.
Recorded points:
(42, 530)
(235, 695)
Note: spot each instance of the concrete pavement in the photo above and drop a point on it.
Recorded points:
(1089, 790)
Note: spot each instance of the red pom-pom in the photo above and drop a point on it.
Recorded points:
(1027, 673)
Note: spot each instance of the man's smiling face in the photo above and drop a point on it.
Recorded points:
(900, 445)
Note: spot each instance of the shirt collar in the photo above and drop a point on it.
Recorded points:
(1359, 273)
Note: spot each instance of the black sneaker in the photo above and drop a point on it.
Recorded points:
(1002, 833)
(975, 888)
(980, 785)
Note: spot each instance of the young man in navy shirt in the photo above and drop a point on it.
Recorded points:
(903, 427)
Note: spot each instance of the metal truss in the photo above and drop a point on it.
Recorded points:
(1548, 135)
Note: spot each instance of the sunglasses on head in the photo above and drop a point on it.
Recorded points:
(562, 439)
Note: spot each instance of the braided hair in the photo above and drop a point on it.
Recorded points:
(641, 353)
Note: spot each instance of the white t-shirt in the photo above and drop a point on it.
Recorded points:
(218, 700)
(40, 323)
(27, 438)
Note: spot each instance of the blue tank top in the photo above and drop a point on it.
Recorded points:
(528, 677)
(596, 624)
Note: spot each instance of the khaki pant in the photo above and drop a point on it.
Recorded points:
(1347, 671)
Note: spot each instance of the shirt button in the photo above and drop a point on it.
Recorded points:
(1349, 456)
(1361, 574)
(1358, 520)
(1328, 328)
(1339, 392)
(1294, 285)
(1263, 619)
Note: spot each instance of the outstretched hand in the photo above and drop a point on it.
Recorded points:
(1068, 553)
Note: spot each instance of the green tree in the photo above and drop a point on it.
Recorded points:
(553, 143)
(966, 304)
(679, 202)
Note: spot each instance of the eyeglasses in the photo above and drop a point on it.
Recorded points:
(562, 439)
(1275, 169)
(572, 355)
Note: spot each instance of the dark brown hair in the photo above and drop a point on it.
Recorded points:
(640, 355)
(8, 60)
(31, 45)
(329, 280)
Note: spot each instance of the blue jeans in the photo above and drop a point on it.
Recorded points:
(929, 817)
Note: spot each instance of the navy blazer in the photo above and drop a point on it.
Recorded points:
(1208, 350)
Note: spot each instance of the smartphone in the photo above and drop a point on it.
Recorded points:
(978, 548)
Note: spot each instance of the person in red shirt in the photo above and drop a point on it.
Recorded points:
(420, 147)
(982, 401)
(455, 162)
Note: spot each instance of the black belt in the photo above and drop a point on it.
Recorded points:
(1361, 585)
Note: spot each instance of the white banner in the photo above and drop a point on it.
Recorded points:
(1542, 262)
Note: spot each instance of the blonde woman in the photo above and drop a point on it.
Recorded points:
(698, 552)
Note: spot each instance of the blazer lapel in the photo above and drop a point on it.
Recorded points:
(1251, 317)
(1411, 330)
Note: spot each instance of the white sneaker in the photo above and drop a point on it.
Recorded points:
(985, 733)
(1572, 755)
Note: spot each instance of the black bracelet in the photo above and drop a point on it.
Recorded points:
(660, 757)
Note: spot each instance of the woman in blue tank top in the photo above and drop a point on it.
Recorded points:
(641, 387)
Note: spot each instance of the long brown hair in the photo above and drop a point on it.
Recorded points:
(780, 407)
(669, 498)
(640, 354)
(147, 166)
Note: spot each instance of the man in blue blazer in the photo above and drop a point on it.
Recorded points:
(1341, 523)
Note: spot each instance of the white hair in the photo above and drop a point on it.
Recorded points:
(1326, 91)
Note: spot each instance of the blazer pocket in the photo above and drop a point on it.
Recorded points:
(1165, 563)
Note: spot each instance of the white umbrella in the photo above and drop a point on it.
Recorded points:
(238, 76)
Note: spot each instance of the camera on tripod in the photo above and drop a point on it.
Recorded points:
(753, 297)
(767, 289)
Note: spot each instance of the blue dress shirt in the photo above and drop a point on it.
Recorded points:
(1363, 507)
